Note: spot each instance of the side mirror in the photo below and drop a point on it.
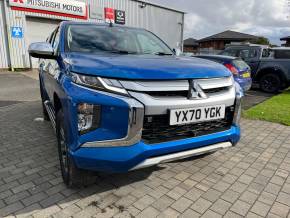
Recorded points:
(177, 51)
(41, 50)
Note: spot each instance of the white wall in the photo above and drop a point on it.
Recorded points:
(3, 45)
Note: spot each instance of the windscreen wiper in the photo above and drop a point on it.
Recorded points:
(163, 54)
(123, 52)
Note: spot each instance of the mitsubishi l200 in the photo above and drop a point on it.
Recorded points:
(119, 99)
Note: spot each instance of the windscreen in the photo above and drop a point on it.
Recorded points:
(94, 39)
(240, 64)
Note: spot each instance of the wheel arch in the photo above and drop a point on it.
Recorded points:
(268, 70)
(56, 103)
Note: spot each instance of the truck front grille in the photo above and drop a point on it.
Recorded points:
(184, 94)
(216, 90)
(168, 94)
(156, 129)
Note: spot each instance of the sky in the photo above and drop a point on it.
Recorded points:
(268, 18)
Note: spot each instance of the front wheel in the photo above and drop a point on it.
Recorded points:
(270, 83)
(72, 176)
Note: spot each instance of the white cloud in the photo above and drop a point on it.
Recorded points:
(260, 17)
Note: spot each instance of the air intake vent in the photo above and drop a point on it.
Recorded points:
(156, 129)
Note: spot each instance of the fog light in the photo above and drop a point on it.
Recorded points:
(238, 114)
(88, 117)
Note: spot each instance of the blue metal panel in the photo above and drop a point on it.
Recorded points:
(122, 159)
(134, 67)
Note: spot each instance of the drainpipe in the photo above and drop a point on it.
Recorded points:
(6, 36)
(182, 32)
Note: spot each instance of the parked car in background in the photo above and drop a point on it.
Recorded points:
(240, 70)
(270, 66)
(120, 100)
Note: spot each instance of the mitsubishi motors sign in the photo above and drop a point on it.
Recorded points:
(67, 8)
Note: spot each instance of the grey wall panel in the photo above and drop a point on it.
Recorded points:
(3, 46)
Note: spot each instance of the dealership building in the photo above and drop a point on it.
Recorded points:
(25, 21)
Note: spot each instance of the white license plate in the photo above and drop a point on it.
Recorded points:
(198, 114)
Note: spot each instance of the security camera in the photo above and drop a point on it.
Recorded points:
(143, 5)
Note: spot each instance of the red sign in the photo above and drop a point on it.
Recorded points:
(110, 15)
(66, 8)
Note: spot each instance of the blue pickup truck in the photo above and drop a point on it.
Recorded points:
(119, 99)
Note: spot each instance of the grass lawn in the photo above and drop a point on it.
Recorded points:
(276, 109)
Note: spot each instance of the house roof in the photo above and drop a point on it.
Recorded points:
(285, 38)
(229, 35)
(190, 42)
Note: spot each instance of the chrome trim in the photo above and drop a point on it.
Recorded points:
(145, 86)
(158, 106)
(134, 133)
(181, 155)
(216, 82)
(195, 91)
(175, 85)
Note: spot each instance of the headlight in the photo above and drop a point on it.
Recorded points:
(238, 106)
(103, 84)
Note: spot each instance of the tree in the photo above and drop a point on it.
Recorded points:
(261, 41)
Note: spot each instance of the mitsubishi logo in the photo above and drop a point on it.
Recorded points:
(195, 91)
(20, 1)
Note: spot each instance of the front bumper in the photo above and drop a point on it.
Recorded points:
(245, 83)
(109, 148)
(123, 159)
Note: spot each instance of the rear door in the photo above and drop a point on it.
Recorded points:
(230, 52)
(282, 60)
(251, 56)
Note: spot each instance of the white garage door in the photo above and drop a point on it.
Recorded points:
(37, 30)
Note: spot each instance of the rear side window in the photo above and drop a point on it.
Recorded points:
(55, 41)
(248, 53)
(240, 64)
(49, 39)
(282, 54)
(230, 52)
(266, 53)
(148, 45)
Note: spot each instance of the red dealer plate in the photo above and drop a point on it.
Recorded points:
(109, 14)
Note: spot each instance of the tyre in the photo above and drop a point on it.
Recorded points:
(270, 83)
(44, 111)
(72, 176)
